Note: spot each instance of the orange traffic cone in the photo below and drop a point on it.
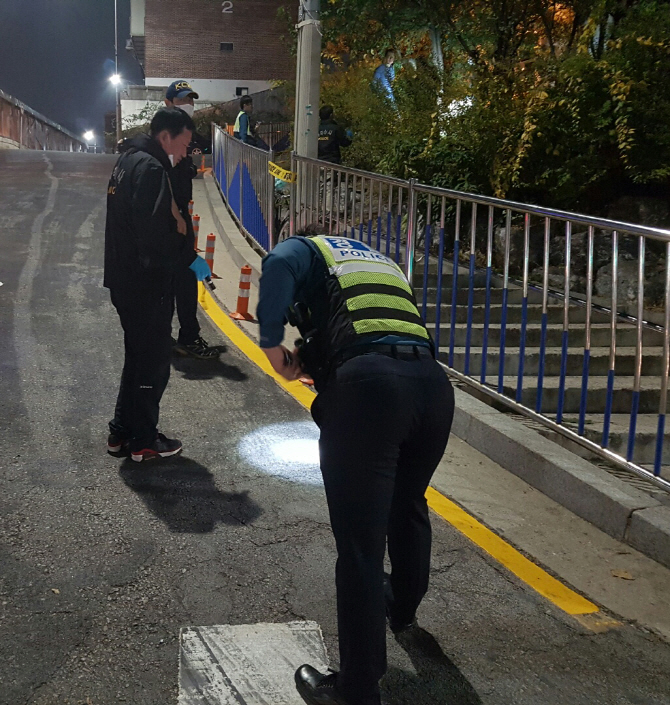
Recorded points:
(190, 208)
(209, 251)
(242, 311)
(196, 231)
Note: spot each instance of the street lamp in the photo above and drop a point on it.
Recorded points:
(115, 80)
(89, 136)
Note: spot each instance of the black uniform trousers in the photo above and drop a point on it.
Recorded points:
(186, 296)
(384, 426)
(147, 326)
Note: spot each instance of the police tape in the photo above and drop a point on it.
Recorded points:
(281, 174)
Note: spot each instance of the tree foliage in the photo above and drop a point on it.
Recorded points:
(565, 103)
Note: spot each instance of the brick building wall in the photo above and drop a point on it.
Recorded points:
(183, 39)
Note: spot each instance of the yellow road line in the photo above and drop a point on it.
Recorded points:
(296, 389)
(531, 574)
(534, 576)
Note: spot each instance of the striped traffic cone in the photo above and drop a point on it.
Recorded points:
(190, 208)
(196, 232)
(241, 313)
(209, 251)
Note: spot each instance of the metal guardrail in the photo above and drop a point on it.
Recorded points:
(270, 132)
(23, 127)
(241, 172)
(596, 290)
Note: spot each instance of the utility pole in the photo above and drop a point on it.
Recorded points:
(116, 67)
(308, 79)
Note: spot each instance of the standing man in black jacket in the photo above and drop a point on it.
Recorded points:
(331, 137)
(189, 341)
(145, 246)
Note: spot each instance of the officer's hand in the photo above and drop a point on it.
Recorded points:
(284, 362)
(200, 268)
(348, 132)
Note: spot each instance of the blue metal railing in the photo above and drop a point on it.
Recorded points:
(518, 285)
(247, 187)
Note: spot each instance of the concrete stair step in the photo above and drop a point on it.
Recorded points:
(652, 360)
(600, 335)
(554, 313)
(463, 281)
(621, 403)
(514, 296)
(645, 434)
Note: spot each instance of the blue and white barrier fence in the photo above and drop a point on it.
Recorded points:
(241, 172)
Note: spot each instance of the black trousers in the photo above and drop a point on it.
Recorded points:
(186, 294)
(186, 298)
(384, 426)
(147, 329)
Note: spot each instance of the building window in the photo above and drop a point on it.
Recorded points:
(241, 90)
(226, 46)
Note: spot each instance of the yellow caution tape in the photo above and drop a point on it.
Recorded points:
(280, 173)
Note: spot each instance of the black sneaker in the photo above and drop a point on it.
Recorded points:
(117, 445)
(198, 348)
(162, 447)
(316, 688)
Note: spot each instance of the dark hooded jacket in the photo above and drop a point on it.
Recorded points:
(331, 138)
(185, 171)
(143, 248)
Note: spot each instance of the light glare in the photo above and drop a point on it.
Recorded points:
(287, 450)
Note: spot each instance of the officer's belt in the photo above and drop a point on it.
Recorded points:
(402, 351)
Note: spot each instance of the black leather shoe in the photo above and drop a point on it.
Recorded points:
(316, 688)
(397, 626)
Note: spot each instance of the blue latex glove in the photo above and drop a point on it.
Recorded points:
(201, 268)
(349, 134)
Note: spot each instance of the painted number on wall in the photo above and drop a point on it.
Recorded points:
(227, 6)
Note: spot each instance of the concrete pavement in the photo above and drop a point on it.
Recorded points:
(102, 561)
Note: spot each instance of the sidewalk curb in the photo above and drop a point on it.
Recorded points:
(625, 513)
(649, 533)
(603, 500)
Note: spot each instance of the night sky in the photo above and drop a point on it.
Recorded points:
(57, 55)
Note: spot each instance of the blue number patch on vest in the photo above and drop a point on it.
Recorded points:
(341, 243)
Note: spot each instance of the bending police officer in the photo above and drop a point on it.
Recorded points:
(384, 409)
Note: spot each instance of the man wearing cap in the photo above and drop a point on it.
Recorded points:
(181, 95)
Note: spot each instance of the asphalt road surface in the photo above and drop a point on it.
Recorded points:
(102, 561)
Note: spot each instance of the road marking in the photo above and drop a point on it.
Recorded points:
(236, 336)
(531, 574)
(535, 577)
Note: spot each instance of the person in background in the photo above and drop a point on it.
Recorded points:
(145, 247)
(243, 129)
(189, 341)
(331, 137)
(385, 75)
